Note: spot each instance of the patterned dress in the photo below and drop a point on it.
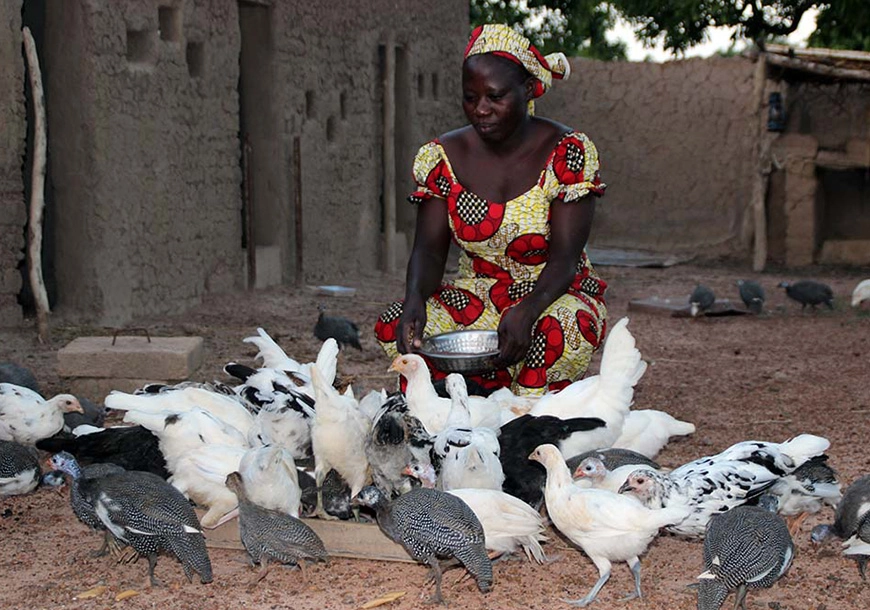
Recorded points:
(505, 247)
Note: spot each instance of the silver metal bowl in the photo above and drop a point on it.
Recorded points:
(462, 351)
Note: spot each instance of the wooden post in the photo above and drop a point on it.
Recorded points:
(389, 159)
(762, 166)
(37, 189)
(297, 206)
(248, 199)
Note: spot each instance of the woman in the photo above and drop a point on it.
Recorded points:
(513, 190)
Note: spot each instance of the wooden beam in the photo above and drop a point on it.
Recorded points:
(812, 67)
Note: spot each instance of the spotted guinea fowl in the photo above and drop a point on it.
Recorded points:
(270, 535)
(66, 463)
(341, 329)
(851, 524)
(752, 295)
(806, 491)
(701, 299)
(607, 526)
(26, 417)
(809, 292)
(16, 374)
(130, 447)
(433, 525)
(746, 547)
(150, 515)
(523, 478)
(714, 484)
(19, 469)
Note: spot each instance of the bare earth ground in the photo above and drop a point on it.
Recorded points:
(736, 378)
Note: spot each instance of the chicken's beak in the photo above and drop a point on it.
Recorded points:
(407, 472)
(534, 455)
(577, 474)
(395, 366)
(625, 487)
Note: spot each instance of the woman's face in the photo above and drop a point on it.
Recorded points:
(495, 96)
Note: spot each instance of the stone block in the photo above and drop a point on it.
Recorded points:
(161, 358)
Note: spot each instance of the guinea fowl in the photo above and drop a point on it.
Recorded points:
(806, 491)
(607, 526)
(26, 417)
(745, 547)
(130, 447)
(467, 456)
(715, 484)
(509, 524)
(523, 478)
(433, 525)
(647, 431)
(613, 458)
(861, 293)
(808, 292)
(851, 524)
(752, 295)
(18, 375)
(701, 299)
(145, 512)
(66, 464)
(607, 395)
(270, 535)
(19, 469)
(341, 329)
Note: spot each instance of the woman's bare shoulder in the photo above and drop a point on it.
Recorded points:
(457, 137)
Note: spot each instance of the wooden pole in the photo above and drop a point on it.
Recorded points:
(248, 199)
(762, 161)
(389, 160)
(297, 206)
(37, 189)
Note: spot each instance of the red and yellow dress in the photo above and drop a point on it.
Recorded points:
(505, 247)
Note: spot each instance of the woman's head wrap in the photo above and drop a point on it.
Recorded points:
(504, 41)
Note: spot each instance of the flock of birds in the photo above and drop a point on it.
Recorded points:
(805, 292)
(448, 475)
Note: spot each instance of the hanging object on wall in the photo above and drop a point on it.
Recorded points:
(775, 112)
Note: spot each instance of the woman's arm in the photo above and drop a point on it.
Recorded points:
(569, 229)
(425, 270)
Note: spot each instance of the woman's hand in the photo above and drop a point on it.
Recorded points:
(515, 333)
(411, 325)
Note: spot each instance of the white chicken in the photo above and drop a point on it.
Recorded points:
(285, 422)
(275, 358)
(433, 410)
(607, 526)
(592, 473)
(861, 293)
(715, 484)
(509, 524)
(338, 436)
(200, 474)
(26, 417)
(228, 409)
(647, 431)
(469, 456)
(607, 395)
(271, 479)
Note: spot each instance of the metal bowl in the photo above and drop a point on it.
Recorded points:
(462, 351)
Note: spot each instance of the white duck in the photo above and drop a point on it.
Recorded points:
(26, 417)
(607, 395)
(338, 436)
(712, 485)
(647, 431)
(469, 456)
(607, 526)
(509, 524)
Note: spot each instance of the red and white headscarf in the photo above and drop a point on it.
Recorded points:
(504, 41)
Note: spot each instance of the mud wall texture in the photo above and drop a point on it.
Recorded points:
(12, 133)
(675, 142)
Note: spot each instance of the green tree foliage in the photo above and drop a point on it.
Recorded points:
(575, 27)
(843, 24)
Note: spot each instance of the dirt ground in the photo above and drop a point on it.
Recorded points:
(737, 378)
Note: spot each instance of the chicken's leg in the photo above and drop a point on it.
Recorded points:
(603, 566)
(634, 564)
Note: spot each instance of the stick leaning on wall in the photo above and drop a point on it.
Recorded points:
(37, 189)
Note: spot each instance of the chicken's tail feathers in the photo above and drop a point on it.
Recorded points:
(804, 447)
(270, 352)
(620, 358)
(327, 360)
